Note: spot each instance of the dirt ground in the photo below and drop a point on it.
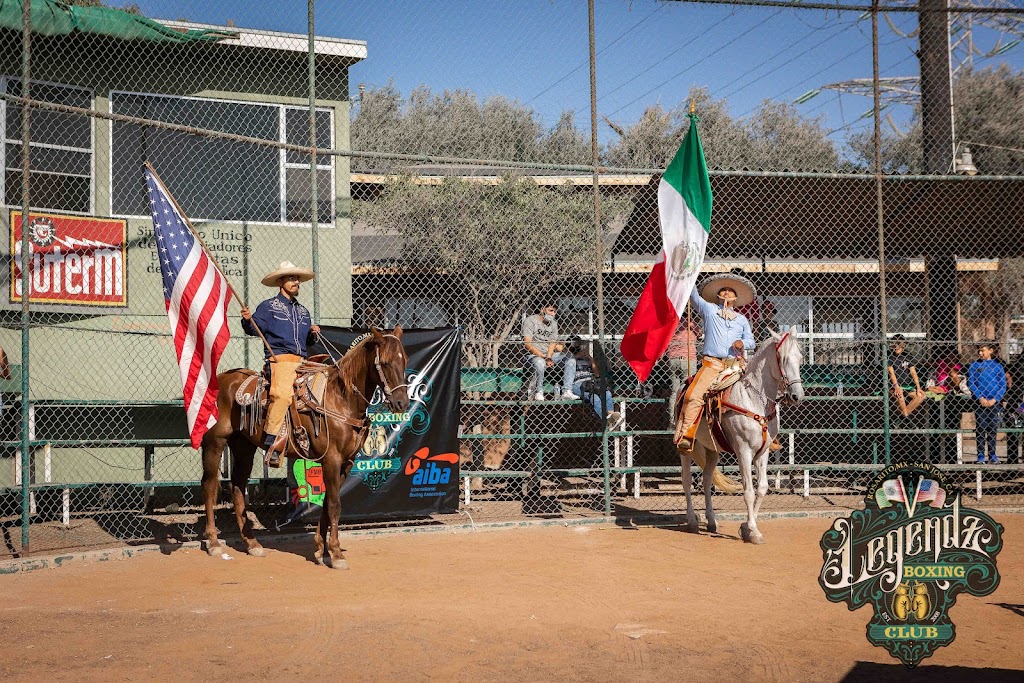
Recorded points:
(583, 603)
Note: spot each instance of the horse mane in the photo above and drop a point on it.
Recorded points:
(344, 363)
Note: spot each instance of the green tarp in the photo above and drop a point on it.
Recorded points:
(53, 18)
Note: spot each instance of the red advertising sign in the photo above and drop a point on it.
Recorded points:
(74, 260)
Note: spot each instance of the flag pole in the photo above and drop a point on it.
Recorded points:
(209, 255)
(689, 324)
(689, 340)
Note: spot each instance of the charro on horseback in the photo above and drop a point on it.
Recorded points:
(288, 330)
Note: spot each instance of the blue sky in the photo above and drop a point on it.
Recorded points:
(648, 52)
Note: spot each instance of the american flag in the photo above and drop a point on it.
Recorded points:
(929, 491)
(196, 296)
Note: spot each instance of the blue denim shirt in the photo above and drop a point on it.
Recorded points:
(285, 323)
(719, 333)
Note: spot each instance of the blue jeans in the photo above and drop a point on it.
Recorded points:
(601, 406)
(986, 422)
(566, 360)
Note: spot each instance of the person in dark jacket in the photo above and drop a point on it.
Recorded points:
(288, 328)
(986, 379)
(589, 386)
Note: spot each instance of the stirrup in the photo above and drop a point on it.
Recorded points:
(277, 449)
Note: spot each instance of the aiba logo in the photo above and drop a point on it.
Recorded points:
(430, 470)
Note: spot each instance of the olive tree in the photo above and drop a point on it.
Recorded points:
(496, 247)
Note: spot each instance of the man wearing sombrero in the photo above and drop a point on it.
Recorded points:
(288, 328)
(726, 335)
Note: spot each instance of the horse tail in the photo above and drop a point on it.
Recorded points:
(722, 483)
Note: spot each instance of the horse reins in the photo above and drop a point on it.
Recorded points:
(351, 421)
(784, 382)
(763, 420)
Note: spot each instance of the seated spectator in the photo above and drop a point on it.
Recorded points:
(540, 336)
(903, 377)
(589, 385)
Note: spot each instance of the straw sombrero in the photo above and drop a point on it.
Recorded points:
(272, 279)
(745, 290)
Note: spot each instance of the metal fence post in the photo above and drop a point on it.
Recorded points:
(599, 243)
(26, 455)
(883, 313)
(314, 220)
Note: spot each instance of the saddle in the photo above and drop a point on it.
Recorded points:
(716, 404)
(253, 396)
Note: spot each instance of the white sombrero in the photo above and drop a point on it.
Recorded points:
(745, 290)
(272, 279)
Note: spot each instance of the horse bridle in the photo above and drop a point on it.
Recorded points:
(380, 372)
(388, 389)
(784, 382)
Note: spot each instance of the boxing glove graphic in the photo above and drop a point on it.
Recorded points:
(919, 605)
(901, 602)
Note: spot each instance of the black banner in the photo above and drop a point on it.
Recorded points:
(408, 465)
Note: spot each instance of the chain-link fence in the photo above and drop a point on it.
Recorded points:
(437, 206)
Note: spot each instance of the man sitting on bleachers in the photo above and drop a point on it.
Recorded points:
(540, 337)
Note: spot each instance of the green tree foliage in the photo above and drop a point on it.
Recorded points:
(459, 124)
(773, 137)
(502, 245)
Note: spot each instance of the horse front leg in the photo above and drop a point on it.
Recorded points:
(687, 476)
(332, 508)
(761, 465)
(243, 451)
(213, 447)
(748, 530)
(710, 463)
(321, 534)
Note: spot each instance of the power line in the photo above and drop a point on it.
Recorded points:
(779, 66)
(700, 61)
(907, 9)
(614, 41)
(663, 59)
(813, 76)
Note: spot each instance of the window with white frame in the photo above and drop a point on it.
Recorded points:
(60, 149)
(215, 178)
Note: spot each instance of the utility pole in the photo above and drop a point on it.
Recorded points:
(936, 86)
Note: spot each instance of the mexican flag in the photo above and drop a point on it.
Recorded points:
(684, 210)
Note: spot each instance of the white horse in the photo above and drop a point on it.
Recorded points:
(750, 422)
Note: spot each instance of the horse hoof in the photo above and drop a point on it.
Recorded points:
(258, 551)
(712, 528)
(693, 528)
(217, 551)
(744, 532)
(757, 539)
(340, 563)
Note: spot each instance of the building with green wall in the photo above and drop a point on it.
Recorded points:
(250, 202)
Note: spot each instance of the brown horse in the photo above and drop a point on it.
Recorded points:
(378, 360)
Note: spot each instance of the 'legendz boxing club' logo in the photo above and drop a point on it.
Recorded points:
(909, 554)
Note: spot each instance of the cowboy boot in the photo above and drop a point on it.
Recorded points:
(277, 448)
